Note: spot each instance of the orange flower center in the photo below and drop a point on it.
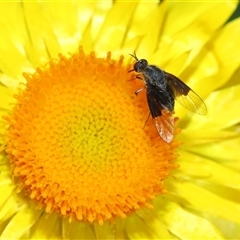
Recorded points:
(77, 141)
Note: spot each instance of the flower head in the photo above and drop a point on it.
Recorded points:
(75, 137)
(77, 142)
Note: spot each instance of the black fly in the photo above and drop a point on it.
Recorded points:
(162, 90)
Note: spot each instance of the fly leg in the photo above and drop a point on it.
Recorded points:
(146, 121)
(139, 90)
(138, 76)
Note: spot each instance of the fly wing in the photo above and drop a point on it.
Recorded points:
(185, 95)
(163, 119)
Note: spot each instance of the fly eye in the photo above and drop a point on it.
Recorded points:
(140, 65)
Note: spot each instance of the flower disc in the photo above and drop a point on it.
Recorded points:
(77, 141)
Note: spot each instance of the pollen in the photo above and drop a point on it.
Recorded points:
(78, 141)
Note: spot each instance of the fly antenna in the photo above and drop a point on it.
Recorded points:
(134, 55)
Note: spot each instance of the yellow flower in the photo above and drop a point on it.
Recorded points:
(74, 146)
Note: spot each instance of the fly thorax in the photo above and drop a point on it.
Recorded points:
(154, 76)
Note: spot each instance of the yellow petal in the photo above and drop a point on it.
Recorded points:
(81, 26)
(225, 152)
(120, 229)
(7, 102)
(4, 167)
(197, 15)
(114, 27)
(6, 98)
(217, 61)
(204, 137)
(6, 189)
(42, 42)
(21, 222)
(229, 229)
(77, 230)
(152, 24)
(210, 171)
(104, 232)
(69, 28)
(153, 219)
(9, 208)
(185, 225)
(142, 17)
(226, 50)
(12, 34)
(234, 80)
(188, 33)
(222, 113)
(203, 200)
(136, 228)
(48, 223)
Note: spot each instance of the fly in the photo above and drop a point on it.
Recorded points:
(162, 89)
